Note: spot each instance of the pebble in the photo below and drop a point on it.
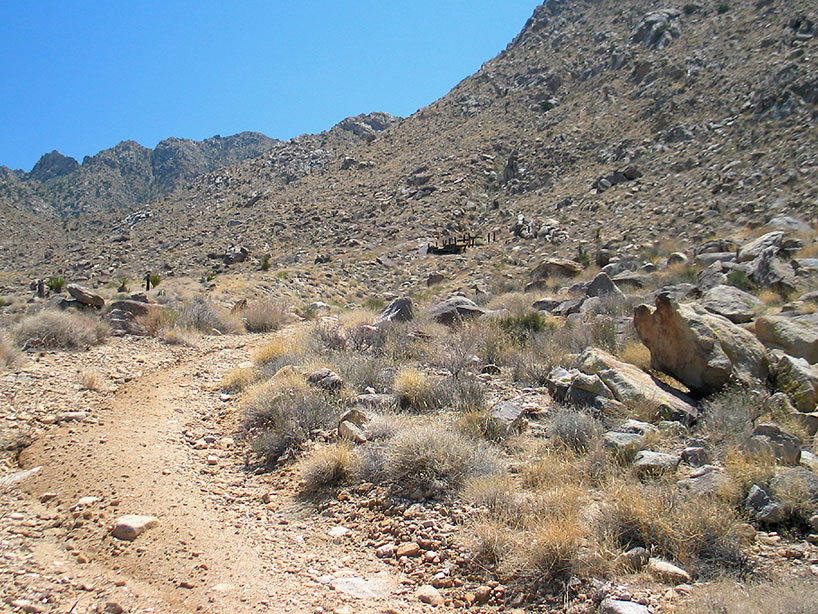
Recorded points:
(429, 594)
(131, 526)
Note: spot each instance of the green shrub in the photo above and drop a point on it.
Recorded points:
(723, 8)
(155, 280)
(60, 330)
(265, 262)
(740, 280)
(520, 327)
(56, 284)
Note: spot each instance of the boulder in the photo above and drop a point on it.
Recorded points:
(326, 379)
(704, 351)
(399, 310)
(86, 297)
(752, 250)
(630, 385)
(796, 378)
(734, 304)
(455, 310)
(796, 336)
(619, 606)
(769, 439)
(771, 271)
(602, 286)
(136, 308)
(706, 481)
(667, 572)
(795, 480)
(762, 507)
(711, 276)
(657, 29)
(649, 464)
(509, 414)
(555, 267)
(351, 432)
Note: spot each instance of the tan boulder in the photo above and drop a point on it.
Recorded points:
(702, 350)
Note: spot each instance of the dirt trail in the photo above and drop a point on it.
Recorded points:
(160, 449)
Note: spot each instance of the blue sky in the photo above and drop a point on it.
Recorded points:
(82, 76)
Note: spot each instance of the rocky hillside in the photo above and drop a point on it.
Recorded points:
(605, 124)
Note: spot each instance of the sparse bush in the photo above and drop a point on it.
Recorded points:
(279, 418)
(156, 321)
(466, 393)
(729, 415)
(265, 262)
(436, 460)
(328, 466)
(204, 316)
(56, 284)
(90, 380)
(328, 336)
(364, 372)
(691, 8)
(264, 316)
(155, 280)
(383, 427)
(723, 8)
(794, 596)
(520, 327)
(637, 354)
(8, 354)
(740, 280)
(373, 303)
(482, 425)
(574, 429)
(60, 330)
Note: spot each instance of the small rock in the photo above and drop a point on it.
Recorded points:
(408, 549)
(429, 594)
(616, 606)
(667, 572)
(132, 526)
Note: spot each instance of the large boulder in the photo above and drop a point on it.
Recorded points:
(734, 304)
(704, 351)
(84, 296)
(632, 386)
(555, 267)
(796, 336)
(454, 310)
(399, 310)
(603, 287)
(752, 250)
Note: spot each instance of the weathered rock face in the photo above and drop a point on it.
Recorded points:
(657, 29)
(630, 385)
(455, 309)
(702, 350)
(771, 271)
(796, 378)
(734, 304)
(752, 250)
(796, 336)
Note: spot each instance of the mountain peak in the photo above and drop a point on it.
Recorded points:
(53, 164)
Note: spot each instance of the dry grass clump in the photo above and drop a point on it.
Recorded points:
(418, 392)
(90, 379)
(210, 319)
(264, 316)
(8, 354)
(698, 533)
(157, 321)
(60, 330)
(362, 372)
(793, 596)
(636, 353)
(328, 466)
(279, 418)
(239, 379)
(480, 424)
(179, 336)
(729, 416)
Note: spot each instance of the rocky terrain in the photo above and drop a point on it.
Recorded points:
(549, 344)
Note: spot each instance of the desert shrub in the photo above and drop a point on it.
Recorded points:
(265, 262)
(60, 330)
(418, 392)
(691, 8)
(158, 320)
(482, 425)
(637, 354)
(382, 427)
(435, 460)
(466, 393)
(723, 8)
(56, 284)
(574, 429)
(364, 372)
(155, 280)
(279, 418)
(8, 354)
(202, 315)
(373, 303)
(532, 368)
(327, 336)
(328, 466)
(729, 415)
(772, 596)
(740, 280)
(492, 491)
(520, 327)
(264, 316)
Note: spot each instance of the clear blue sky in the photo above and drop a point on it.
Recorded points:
(81, 76)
